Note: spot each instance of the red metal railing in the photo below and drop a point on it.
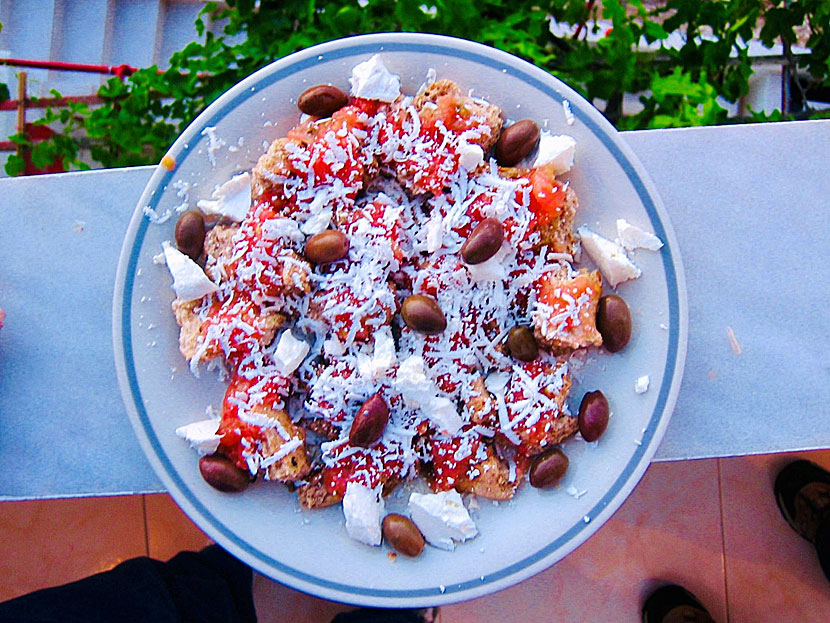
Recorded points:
(116, 70)
(38, 133)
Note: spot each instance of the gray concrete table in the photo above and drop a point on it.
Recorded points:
(749, 205)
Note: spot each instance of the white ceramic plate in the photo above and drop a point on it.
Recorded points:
(309, 550)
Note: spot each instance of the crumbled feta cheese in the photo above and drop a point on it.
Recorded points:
(384, 356)
(285, 449)
(496, 382)
(155, 217)
(609, 257)
(232, 199)
(441, 518)
(641, 385)
(442, 412)
(201, 435)
(434, 232)
(317, 223)
(289, 353)
(417, 390)
(493, 269)
(632, 237)
(371, 80)
(470, 156)
(557, 150)
(333, 347)
(431, 76)
(569, 115)
(159, 260)
(363, 509)
(189, 280)
(214, 143)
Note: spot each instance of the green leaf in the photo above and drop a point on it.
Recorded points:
(654, 31)
(15, 165)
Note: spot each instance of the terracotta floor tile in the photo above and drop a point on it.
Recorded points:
(51, 542)
(169, 530)
(772, 574)
(669, 530)
(276, 603)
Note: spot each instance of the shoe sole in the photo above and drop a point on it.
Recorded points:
(792, 479)
(665, 599)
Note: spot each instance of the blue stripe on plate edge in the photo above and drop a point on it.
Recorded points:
(668, 372)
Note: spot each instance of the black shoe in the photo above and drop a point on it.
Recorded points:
(380, 615)
(674, 604)
(802, 491)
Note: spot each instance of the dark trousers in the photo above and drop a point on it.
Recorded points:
(823, 546)
(210, 585)
(206, 586)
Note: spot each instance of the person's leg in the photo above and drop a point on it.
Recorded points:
(674, 604)
(823, 546)
(209, 585)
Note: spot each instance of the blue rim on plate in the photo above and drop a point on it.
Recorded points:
(123, 317)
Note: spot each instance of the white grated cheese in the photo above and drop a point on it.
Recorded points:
(285, 449)
(214, 143)
(569, 115)
(156, 218)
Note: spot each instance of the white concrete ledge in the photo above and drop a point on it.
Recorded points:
(749, 205)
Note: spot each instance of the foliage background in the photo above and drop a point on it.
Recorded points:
(679, 86)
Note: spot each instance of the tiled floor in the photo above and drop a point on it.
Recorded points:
(710, 525)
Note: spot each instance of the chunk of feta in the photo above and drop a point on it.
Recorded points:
(417, 390)
(231, 200)
(442, 518)
(493, 269)
(289, 353)
(334, 347)
(383, 358)
(363, 509)
(371, 80)
(201, 435)
(641, 384)
(557, 150)
(609, 257)
(433, 233)
(317, 223)
(470, 155)
(189, 280)
(442, 412)
(632, 237)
